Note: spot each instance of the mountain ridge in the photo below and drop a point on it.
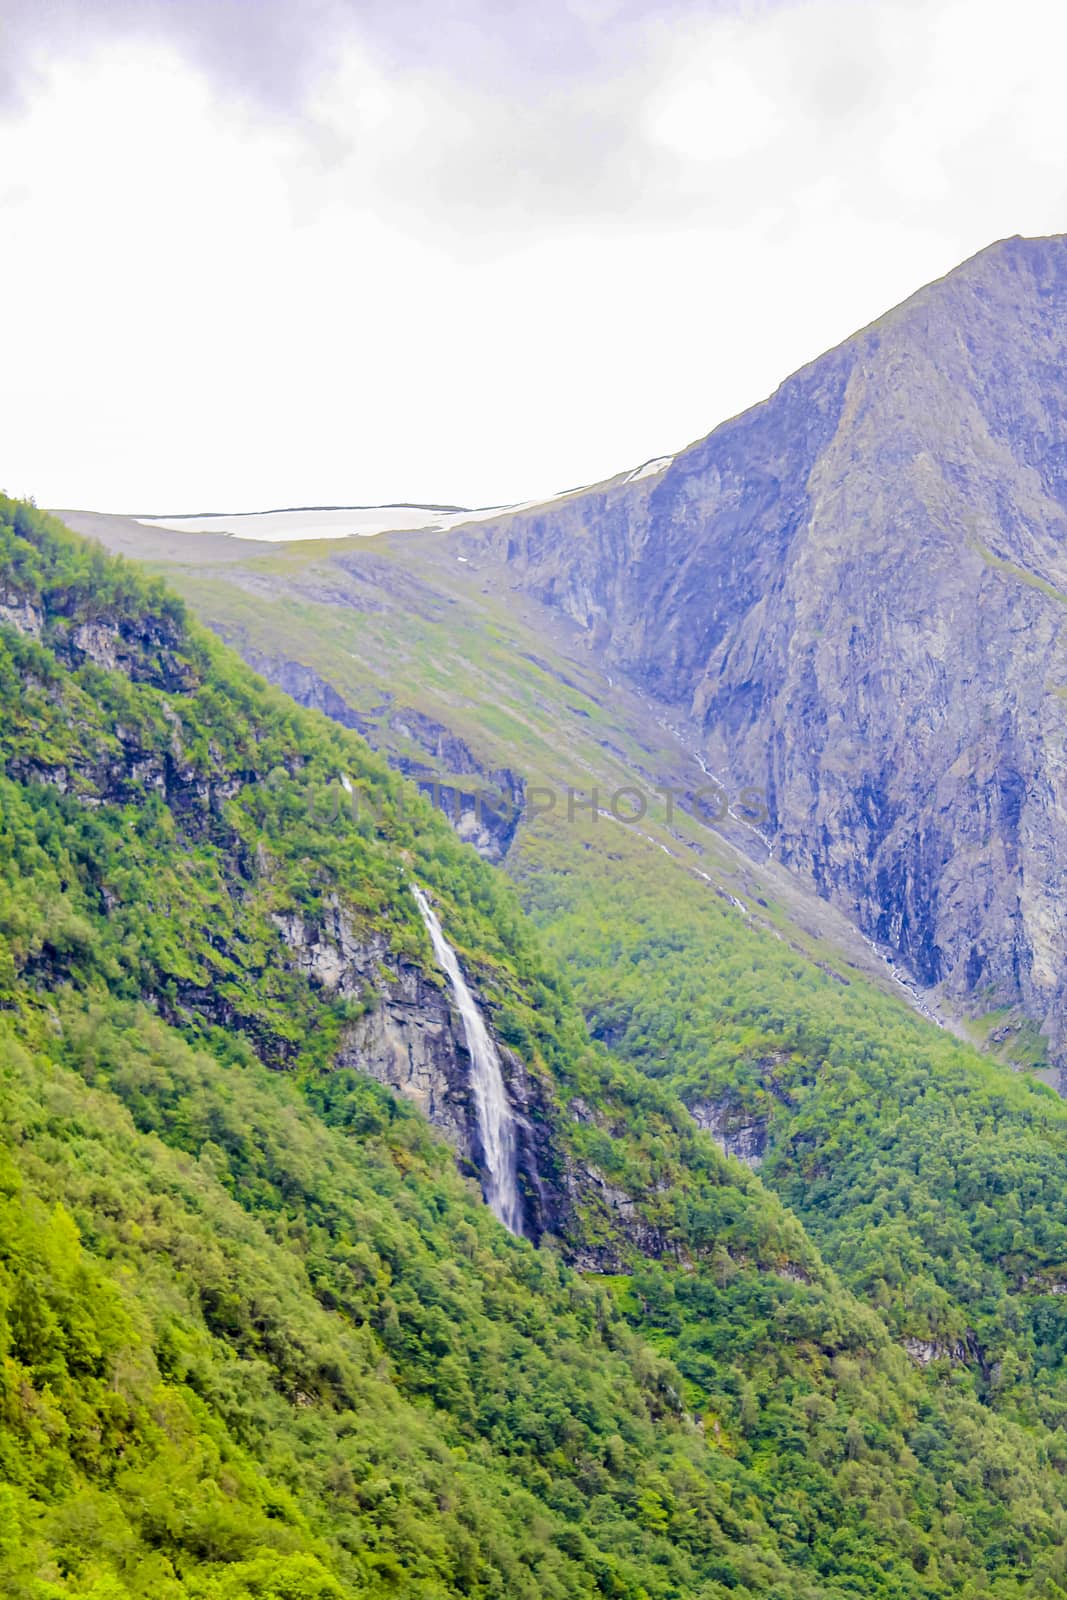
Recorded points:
(765, 582)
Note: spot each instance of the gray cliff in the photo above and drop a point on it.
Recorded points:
(858, 590)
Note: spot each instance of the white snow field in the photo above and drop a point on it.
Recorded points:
(346, 522)
(334, 522)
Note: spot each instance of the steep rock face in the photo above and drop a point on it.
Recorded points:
(410, 1038)
(408, 1042)
(20, 611)
(483, 804)
(627, 1222)
(145, 648)
(923, 1351)
(858, 590)
(744, 1139)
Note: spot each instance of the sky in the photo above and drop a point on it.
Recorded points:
(260, 253)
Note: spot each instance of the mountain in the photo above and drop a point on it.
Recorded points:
(857, 592)
(888, 1234)
(263, 1340)
(852, 598)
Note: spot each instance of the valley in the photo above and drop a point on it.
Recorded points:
(554, 1093)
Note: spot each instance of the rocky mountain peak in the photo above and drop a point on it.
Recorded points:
(858, 588)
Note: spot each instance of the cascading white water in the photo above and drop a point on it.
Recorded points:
(496, 1124)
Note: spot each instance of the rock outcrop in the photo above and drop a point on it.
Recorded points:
(484, 804)
(410, 1039)
(744, 1138)
(21, 612)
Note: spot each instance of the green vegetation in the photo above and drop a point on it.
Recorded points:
(930, 1178)
(1008, 1036)
(260, 1340)
(1019, 574)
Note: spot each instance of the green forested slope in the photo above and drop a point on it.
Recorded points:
(931, 1178)
(259, 1339)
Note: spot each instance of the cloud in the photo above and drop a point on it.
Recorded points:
(274, 50)
(269, 50)
(280, 252)
(447, 111)
(496, 117)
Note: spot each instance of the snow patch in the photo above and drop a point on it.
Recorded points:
(341, 522)
(336, 522)
(650, 469)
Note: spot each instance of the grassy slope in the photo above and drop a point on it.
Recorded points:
(497, 671)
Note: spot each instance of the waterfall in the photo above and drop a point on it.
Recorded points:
(496, 1124)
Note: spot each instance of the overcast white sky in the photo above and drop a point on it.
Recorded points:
(310, 251)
